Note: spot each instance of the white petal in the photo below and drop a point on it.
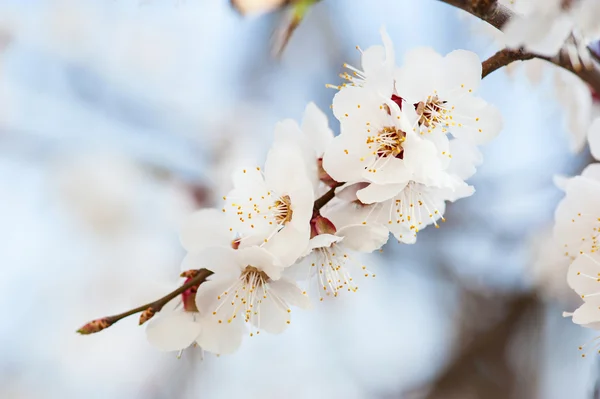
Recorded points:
(465, 158)
(288, 291)
(379, 193)
(577, 216)
(594, 138)
(476, 121)
(389, 170)
(342, 160)
(357, 105)
(261, 259)
(364, 238)
(348, 191)
(402, 233)
(592, 171)
(316, 127)
(463, 68)
(560, 181)
(587, 315)
(302, 200)
(288, 245)
(247, 178)
(285, 170)
(272, 316)
(584, 277)
(289, 137)
(322, 240)
(172, 331)
(222, 339)
(419, 75)
(205, 228)
(210, 296)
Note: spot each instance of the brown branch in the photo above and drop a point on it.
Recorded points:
(498, 15)
(502, 58)
(105, 322)
(325, 198)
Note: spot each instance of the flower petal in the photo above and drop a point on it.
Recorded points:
(593, 136)
(288, 291)
(364, 238)
(346, 158)
(323, 240)
(315, 126)
(584, 277)
(222, 339)
(379, 193)
(463, 69)
(173, 331)
(287, 246)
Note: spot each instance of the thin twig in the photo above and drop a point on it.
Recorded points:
(105, 322)
(325, 198)
(498, 15)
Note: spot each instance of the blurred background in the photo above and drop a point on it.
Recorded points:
(119, 118)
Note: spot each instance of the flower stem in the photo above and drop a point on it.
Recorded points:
(105, 322)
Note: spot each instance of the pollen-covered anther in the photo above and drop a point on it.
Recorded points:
(283, 210)
(388, 142)
(432, 112)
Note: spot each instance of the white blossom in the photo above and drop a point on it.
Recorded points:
(312, 139)
(442, 90)
(247, 284)
(273, 209)
(545, 25)
(179, 325)
(331, 260)
(578, 217)
(584, 277)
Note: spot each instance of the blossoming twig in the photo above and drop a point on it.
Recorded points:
(152, 307)
(498, 15)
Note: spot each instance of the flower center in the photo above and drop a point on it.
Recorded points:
(431, 111)
(254, 277)
(333, 272)
(389, 142)
(283, 210)
(397, 100)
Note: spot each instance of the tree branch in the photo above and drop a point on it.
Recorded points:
(153, 307)
(498, 15)
(502, 58)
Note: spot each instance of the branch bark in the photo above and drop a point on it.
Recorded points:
(502, 58)
(498, 15)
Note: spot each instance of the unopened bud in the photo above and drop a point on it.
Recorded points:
(189, 274)
(321, 225)
(95, 326)
(324, 176)
(147, 315)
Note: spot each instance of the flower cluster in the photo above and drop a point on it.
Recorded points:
(288, 233)
(545, 25)
(577, 231)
